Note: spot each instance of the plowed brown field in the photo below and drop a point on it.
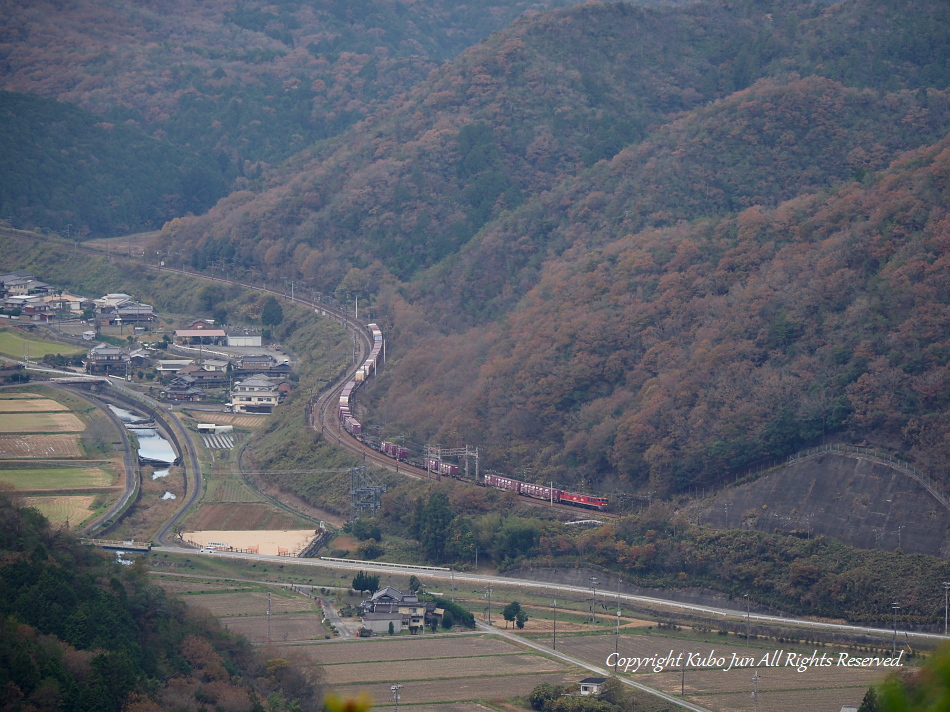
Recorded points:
(41, 446)
(239, 517)
(288, 627)
(251, 603)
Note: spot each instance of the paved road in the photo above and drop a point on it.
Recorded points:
(601, 672)
(483, 579)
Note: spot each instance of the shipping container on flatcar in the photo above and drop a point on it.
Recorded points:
(540, 492)
(447, 468)
(352, 426)
(393, 450)
(503, 483)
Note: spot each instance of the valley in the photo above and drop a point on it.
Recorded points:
(625, 323)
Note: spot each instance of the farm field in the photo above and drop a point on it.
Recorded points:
(74, 509)
(14, 344)
(516, 663)
(56, 478)
(224, 489)
(40, 423)
(288, 627)
(500, 687)
(439, 646)
(448, 670)
(16, 447)
(39, 426)
(293, 618)
(30, 405)
(224, 517)
(250, 603)
(791, 691)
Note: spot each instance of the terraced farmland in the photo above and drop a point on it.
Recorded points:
(36, 427)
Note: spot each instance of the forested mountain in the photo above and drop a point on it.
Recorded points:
(233, 88)
(554, 93)
(674, 355)
(80, 632)
(630, 244)
(643, 246)
(64, 166)
(255, 81)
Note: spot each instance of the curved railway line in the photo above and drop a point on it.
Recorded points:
(322, 416)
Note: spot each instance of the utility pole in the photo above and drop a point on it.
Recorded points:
(593, 600)
(755, 692)
(747, 618)
(946, 588)
(895, 607)
(268, 617)
(395, 690)
(555, 624)
(617, 637)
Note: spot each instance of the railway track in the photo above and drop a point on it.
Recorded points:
(323, 411)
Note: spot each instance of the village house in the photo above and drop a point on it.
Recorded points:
(591, 686)
(205, 376)
(182, 389)
(167, 367)
(105, 359)
(260, 363)
(257, 394)
(24, 284)
(389, 604)
(118, 308)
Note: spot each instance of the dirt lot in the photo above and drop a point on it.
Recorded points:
(40, 446)
(40, 423)
(267, 540)
(31, 405)
(224, 517)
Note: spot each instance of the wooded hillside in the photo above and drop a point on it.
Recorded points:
(613, 244)
(641, 247)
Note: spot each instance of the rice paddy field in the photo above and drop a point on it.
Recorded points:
(56, 478)
(40, 423)
(39, 446)
(73, 510)
(30, 405)
(38, 426)
(293, 617)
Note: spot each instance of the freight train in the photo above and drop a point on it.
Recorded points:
(549, 494)
(345, 412)
(431, 464)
